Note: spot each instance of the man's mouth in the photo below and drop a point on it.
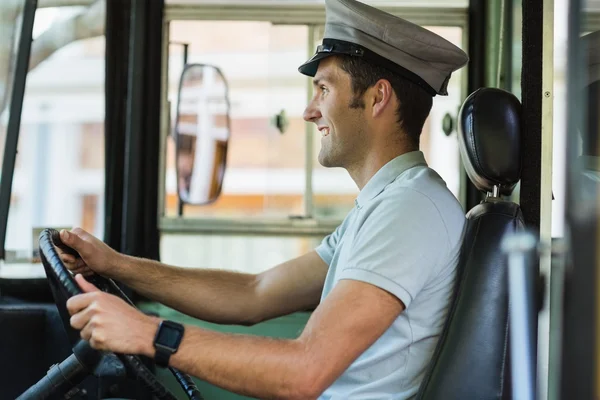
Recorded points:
(324, 131)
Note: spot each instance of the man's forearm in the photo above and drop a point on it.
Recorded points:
(212, 295)
(260, 367)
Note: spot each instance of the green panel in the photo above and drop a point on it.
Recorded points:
(493, 32)
(289, 326)
(502, 36)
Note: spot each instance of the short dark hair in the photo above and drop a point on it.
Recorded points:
(415, 102)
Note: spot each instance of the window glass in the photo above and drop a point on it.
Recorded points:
(10, 25)
(265, 168)
(250, 254)
(59, 174)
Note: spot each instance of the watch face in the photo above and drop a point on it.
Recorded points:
(169, 336)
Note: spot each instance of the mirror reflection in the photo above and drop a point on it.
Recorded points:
(202, 133)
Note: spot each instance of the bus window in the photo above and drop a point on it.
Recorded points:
(265, 167)
(242, 253)
(267, 170)
(59, 171)
(9, 38)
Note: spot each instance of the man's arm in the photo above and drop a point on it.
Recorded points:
(227, 297)
(211, 295)
(351, 318)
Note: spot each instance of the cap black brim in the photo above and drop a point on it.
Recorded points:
(334, 46)
(310, 67)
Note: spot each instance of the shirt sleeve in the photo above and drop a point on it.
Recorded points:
(399, 245)
(328, 245)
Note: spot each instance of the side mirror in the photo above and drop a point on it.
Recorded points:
(202, 130)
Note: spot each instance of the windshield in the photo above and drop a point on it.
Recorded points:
(10, 22)
(61, 129)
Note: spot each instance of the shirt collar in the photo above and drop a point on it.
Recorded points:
(388, 173)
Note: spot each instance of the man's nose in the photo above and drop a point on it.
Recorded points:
(311, 113)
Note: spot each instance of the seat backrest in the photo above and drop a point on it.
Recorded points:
(471, 360)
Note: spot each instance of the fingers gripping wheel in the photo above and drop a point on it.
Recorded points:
(104, 284)
(64, 286)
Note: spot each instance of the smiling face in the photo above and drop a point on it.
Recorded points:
(342, 122)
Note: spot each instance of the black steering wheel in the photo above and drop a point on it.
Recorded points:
(64, 286)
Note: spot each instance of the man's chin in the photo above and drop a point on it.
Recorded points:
(323, 160)
(329, 160)
(327, 163)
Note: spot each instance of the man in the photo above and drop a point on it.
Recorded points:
(381, 283)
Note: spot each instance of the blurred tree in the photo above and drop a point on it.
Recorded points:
(86, 24)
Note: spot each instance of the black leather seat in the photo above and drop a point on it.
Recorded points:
(471, 360)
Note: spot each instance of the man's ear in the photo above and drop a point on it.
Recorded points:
(382, 96)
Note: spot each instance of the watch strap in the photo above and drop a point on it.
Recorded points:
(162, 356)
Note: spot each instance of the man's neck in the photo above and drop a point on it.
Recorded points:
(371, 163)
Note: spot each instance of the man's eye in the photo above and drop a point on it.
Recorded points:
(324, 89)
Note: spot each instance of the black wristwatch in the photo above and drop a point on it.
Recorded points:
(166, 341)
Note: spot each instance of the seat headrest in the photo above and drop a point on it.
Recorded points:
(489, 130)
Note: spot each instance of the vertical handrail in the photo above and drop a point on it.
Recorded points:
(522, 295)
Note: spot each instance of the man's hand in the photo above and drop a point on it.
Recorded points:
(110, 324)
(96, 256)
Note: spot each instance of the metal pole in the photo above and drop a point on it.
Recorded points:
(309, 155)
(545, 201)
(522, 310)
(477, 49)
(506, 44)
(180, 203)
(165, 120)
(133, 135)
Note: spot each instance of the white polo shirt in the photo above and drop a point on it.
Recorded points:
(404, 236)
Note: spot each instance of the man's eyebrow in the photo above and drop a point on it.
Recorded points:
(318, 81)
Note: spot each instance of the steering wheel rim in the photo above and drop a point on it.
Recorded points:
(63, 283)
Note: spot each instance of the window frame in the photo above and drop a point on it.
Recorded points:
(313, 16)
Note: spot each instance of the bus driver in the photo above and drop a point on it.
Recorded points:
(380, 284)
